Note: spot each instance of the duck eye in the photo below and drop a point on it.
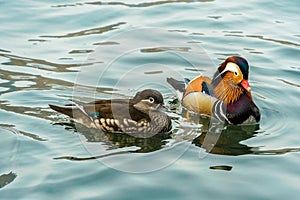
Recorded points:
(235, 73)
(151, 99)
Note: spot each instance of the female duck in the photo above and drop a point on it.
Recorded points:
(140, 114)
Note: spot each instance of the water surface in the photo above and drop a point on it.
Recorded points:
(53, 51)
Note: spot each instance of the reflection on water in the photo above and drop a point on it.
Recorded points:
(115, 141)
(143, 154)
(214, 138)
(144, 145)
(229, 141)
(119, 140)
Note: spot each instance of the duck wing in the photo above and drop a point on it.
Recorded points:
(103, 114)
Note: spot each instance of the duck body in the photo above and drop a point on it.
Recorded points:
(226, 96)
(140, 114)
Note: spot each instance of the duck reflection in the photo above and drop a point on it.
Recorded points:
(144, 145)
(121, 140)
(214, 138)
(224, 139)
(227, 141)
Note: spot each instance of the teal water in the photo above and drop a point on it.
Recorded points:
(53, 51)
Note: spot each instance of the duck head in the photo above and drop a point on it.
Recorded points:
(148, 100)
(231, 79)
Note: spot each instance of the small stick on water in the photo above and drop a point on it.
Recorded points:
(92, 157)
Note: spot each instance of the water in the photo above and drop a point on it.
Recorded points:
(47, 47)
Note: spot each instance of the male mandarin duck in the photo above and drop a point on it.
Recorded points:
(227, 97)
(140, 114)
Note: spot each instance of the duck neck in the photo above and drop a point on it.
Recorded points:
(159, 121)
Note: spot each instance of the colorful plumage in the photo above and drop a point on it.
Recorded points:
(140, 114)
(226, 97)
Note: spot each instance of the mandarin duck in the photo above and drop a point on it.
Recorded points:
(227, 97)
(140, 114)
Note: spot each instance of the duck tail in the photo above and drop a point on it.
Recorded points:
(76, 112)
(179, 86)
(66, 110)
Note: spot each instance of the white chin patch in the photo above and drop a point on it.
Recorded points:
(250, 120)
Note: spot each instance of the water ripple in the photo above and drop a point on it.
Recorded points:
(163, 49)
(98, 30)
(39, 63)
(146, 4)
(290, 83)
(274, 40)
(13, 130)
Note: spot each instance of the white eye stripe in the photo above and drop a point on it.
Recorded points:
(232, 67)
(150, 100)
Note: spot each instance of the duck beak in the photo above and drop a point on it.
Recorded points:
(159, 106)
(245, 84)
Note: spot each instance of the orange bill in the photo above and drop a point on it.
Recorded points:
(245, 84)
